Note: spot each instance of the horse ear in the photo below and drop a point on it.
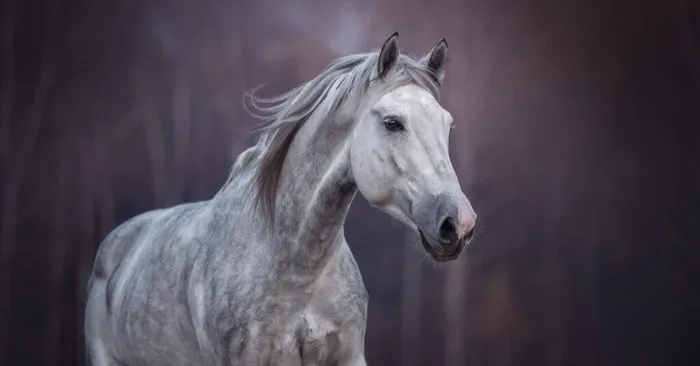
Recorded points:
(388, 55)
(437, 59)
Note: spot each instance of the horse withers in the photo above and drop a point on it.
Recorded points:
(261, 274)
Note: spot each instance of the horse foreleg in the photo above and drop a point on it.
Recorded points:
(98, 355)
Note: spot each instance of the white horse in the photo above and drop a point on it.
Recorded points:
(261, 274)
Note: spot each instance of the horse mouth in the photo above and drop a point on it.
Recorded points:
(441, 256)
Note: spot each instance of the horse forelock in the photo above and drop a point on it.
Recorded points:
(344, 83)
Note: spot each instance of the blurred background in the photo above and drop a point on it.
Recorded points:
(575, 143)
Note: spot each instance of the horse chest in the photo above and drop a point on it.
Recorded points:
(322, 335)
(332, 327)
(328, 329)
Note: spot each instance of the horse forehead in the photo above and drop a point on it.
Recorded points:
(415, 99)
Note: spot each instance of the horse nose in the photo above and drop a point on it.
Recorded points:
(457, 222)
(448, 233)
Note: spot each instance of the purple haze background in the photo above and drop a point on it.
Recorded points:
(575, 144)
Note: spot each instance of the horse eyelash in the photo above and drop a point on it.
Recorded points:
(394, 118)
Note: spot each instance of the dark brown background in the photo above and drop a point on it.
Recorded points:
(576, 144)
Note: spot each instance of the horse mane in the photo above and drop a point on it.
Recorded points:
(345, 80)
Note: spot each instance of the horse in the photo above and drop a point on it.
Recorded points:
(261, 274)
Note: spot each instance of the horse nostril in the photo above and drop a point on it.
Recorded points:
(448, 231)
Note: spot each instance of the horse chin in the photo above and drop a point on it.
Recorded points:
(441, 257)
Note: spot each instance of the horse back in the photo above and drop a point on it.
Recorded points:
(118, 242)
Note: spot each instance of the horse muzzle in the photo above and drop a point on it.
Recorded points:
(451, 229)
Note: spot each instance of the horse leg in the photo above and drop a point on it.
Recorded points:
(98, 351)
(359, 361)
(98, 355)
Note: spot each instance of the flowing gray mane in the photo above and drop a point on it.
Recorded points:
(342, 84)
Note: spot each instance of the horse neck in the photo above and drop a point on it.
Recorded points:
(315, 191)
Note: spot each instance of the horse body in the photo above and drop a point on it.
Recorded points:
(271, 280)
(165, 293)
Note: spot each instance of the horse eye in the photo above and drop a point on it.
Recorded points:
(392, 124)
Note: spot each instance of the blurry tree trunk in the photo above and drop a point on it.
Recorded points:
(688, 12)
(58, 250)
(551, 197)
(18, 144)
(590, 287)
(8, 29)
(168, 173)
(454, 300)
(17, 152)
(8, 26)
(108, 219)
(689, 23)
(90, 182)
(182, 132)
(147, 106)
(463, 155)
(411, 294)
